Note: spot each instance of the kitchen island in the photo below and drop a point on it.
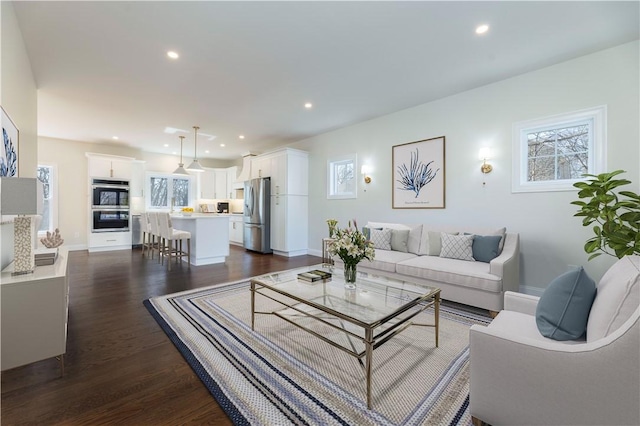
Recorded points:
(209, 236)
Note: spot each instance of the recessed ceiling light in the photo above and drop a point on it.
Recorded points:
(308, 105)
(115, 138)
(482, 29)
(166, 145)
(222, 145)
(241, 136)
(172, 54)
(174, 153)
(207, 151)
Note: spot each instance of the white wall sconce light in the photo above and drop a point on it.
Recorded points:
(366, 171)
(485, 154)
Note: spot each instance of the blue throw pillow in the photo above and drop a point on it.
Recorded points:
(563, 308)
(485, 248)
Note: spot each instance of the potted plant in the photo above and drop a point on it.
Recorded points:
(616, 215)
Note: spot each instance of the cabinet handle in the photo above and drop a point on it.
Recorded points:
(277, 189)
(259, 172)
(234, 225)
(277, 200)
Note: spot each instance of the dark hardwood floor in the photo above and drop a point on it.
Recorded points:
(120, 368)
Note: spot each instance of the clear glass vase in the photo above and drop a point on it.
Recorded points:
(350, 272)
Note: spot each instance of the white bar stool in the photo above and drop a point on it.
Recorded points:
(169, 236)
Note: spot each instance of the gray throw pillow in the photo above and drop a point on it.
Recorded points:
(399, 240)
(485, 248)
(563, 309)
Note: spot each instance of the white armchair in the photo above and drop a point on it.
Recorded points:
(519, 377)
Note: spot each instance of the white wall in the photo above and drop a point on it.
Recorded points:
(73, 181)
(551, 238)
(18, 97)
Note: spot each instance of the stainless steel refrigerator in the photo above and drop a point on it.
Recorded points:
(257, 215)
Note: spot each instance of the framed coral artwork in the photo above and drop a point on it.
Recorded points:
(9, 150)
(418, 175)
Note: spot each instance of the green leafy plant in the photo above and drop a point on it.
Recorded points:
(616, 215)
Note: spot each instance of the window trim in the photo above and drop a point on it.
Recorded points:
(331, 177)
(147, 183)
(53, 200)
(597, 148)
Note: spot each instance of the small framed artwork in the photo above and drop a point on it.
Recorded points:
(341, 177)
(418, 175)
(9, 150)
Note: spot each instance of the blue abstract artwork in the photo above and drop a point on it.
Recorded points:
(9, 151)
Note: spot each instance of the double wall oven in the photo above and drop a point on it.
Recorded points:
(109, 205)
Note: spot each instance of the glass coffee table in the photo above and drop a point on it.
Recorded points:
(369, 313)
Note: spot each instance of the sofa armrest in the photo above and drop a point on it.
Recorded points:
(520, 302)
(507, 265)
(520, 380)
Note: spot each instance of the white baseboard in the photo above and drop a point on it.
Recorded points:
(76, 247)
(533, 291)
(312, 252)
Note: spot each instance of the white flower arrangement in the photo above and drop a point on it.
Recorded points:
(351, 245)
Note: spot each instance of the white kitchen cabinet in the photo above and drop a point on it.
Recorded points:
(289, 172)
(35, 314)
(236, 230)
(232, 174)
(107, 241)
(207, 184)
(221, 184)
(289, 224)
(136, 184)
(109, 166)
(261, 166)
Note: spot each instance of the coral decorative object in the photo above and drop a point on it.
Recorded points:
(53, 239)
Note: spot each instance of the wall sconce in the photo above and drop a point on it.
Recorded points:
(485, 154)
(366, 170)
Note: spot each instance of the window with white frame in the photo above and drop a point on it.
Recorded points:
(341, 177)
(165, 188)
(46, 174)
(552, 153)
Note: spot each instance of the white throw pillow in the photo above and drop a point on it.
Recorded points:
(457, 246)
(617, 298)
(381, 238)
(413, 245)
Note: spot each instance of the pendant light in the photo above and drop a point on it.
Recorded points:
(180, 170)
(195, 165)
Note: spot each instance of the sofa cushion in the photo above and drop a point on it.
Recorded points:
(386, 260)
(399, 240)
(485, 248)
(522, 326)
(431, 242)
(563, 308)
(381, 238)
(451, 271)
(457, 247)
(617, 298)
(415, 232)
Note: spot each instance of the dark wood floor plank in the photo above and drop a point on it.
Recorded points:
(120, 368)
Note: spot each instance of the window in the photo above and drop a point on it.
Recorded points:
(46, 175)
(552, 153)
(164, 188)
(341, 177)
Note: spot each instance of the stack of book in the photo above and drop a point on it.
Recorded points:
(315, 275)
(46, 256)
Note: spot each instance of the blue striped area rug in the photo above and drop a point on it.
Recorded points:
(279, 374)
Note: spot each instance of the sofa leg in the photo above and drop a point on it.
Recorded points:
(493, 314)
(477, 422)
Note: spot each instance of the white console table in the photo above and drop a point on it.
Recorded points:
(34, 314)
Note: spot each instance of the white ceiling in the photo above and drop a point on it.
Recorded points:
(248, 67)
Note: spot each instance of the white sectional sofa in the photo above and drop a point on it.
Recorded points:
(422, 260)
